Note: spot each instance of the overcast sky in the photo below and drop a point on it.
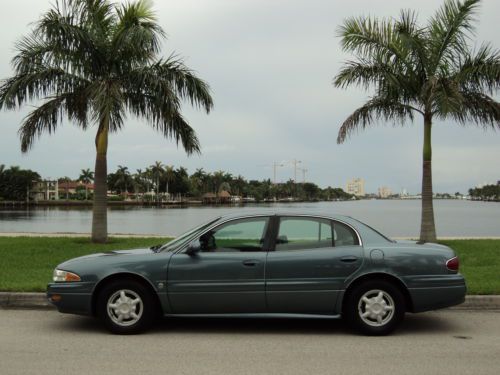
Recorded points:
(270, 65)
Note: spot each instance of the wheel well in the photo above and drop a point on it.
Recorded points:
(121, 277)
(385, 277)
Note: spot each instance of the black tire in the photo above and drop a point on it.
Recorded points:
(134, 303)
(381, 315)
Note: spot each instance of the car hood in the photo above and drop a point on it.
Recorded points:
(111, 253)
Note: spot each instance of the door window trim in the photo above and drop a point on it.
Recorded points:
(267, 231)
(275, 223)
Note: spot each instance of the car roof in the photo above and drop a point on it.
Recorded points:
(260, 212)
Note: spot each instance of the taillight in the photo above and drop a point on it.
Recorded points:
(452, 264)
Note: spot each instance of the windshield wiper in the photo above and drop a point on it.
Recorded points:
(155, 248)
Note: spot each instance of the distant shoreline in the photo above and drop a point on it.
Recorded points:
(89, 203)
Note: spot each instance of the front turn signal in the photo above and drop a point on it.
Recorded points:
(61, 276)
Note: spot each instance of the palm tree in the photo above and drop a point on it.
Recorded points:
(86, 176)
(92, 61)
(169, 175)
(65, 180)
(122, 179)
(421, 70)
(156, 172)
(138, 183)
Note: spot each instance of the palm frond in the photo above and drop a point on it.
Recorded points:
(479, 109)
(46, 117)
(185, 83)
(170, 79)
(413, 39)
(446, 97)
(479, 71)
(368, 37)
(39, 82)
(373, 110)
(43, 119)
(449, 30)
(137, 34)
(360, 73)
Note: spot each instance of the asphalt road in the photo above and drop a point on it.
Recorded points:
(448, 341)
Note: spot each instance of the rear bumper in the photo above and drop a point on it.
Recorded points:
(451, 292)
(71, 298)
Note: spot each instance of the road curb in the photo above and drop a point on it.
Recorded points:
(38, 301)
(34, 301)
(480, 302)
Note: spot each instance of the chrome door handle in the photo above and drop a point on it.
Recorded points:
(250, 262)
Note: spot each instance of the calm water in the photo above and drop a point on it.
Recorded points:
(399, 218)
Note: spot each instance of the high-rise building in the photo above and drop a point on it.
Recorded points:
(356, 186)
(384, 192)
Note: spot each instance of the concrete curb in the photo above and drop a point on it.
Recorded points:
(38, 301)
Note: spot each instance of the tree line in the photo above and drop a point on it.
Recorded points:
(162, 182)
(486, 193)
(159, 179)
(15, 183)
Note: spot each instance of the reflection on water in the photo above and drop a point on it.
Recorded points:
(391, 217)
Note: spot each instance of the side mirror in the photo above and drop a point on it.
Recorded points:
(193, 248)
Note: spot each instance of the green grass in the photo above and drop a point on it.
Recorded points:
(26, 263)
(479, 263)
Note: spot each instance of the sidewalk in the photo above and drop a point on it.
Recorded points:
(38, 301)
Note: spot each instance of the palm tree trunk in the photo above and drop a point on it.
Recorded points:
(427, 226)
(99, 214)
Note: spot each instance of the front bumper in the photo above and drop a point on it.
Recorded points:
(71, 298)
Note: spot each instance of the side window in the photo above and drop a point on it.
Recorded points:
(296, 233)
(238, 235)
(344, 236)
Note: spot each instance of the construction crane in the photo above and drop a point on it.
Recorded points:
(295, 162)
(275, 166)
(304, 171)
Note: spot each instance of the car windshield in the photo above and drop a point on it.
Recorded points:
(186, 237)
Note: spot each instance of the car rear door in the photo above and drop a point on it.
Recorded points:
(227, 275)
(307, 267)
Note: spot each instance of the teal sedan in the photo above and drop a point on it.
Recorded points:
(272, 265)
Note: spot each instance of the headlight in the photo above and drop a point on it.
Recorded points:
(64, 276)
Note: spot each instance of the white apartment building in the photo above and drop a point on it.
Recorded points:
(384, 192)
(356, 186)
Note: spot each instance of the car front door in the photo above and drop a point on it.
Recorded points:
(311, 260)
(227, 275)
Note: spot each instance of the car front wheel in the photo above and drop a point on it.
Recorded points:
(126, 307)
(375, 307)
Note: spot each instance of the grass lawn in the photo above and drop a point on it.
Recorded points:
(479, 263)
(27, 262)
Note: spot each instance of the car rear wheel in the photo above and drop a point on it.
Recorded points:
(126, 307)
(375, 307)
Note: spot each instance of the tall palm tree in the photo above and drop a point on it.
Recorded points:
(138, 181)
(122, 179)
(156, 172)
(86, 176)
(92, 61)
(169, 176)
(421, 70)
